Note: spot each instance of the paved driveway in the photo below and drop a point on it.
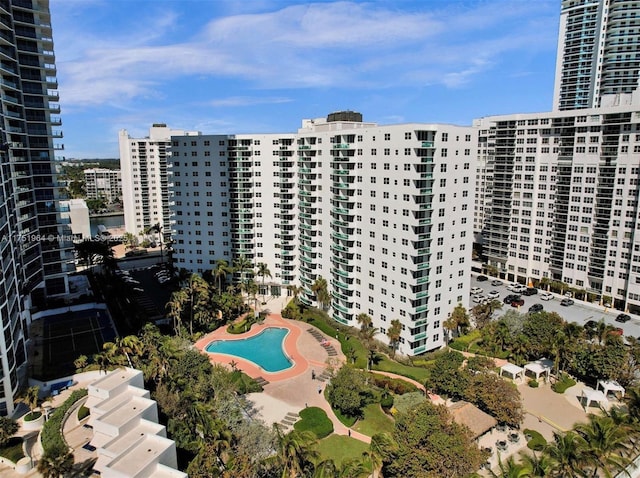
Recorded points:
(580, 312)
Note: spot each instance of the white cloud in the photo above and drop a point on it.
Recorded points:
(340, 44)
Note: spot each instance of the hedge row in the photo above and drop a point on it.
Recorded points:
(51, 436)
(394, 385)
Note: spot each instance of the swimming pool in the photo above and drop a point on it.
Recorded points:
(264, 349)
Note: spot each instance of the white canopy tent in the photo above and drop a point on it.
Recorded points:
(539, 367)
(610, 386)
(589, 395)
(513, 370)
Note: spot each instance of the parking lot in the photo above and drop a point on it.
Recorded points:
(580, 312)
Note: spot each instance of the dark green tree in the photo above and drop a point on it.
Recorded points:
(430, 444)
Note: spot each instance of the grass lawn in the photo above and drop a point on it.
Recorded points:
(419, 374)
(315, 420)
(339, 448)
(13, 449)
(375, 421)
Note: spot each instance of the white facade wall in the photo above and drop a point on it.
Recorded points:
(381, 212)
(143, 163)
(226, 200)
(562, 199)
(102, 183)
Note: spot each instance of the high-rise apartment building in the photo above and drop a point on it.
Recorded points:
(35, 247)
(561, 199)
(598, 57)
(103, 183)
(380, 212)
(143, 164)
(233, 195)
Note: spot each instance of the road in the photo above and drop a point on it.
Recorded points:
(580, 312)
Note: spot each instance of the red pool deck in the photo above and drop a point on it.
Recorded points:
(294, 341)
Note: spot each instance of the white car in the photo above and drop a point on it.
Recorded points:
(546, 296)
(479, 299)
(494, 294)
(512, 286)
(476, 290)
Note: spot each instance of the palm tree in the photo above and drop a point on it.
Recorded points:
(632, 400)
(242, 265)
(220, 272)
(295, 292)
(8, 428)
(130, 345)
(364, 320)
(321, 291)
(175, 308)
(55, 463)
(394, 335)
(607, 444)
(511, 469)
(197, 292)
(539, 464)
(326, 469)
(520, 349)
(368, 337)
(30, 398)
(382, 446)
(567, 455)
(295, 451)
(263, 271)
(353, 468)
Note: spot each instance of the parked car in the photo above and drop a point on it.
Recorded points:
(566, 302)
(513, 285)
(510, 298)
(530, 291)
(536, 308)
(479, 299)
(623, 318)
(138, 290)
(476, 290)
(496, 282)
(482, 278)
(546, 296)
(517, 303)
(494, 294)
(520, 289)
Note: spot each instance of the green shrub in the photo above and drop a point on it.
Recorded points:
(83, 412)
(533, 383)
(563, 383)
(51, 435)
(315, 420)
(245, 383)
(394, 385)
(12, 450)
(535, 441)
(31, 416)
(463, 342)
(386, 402)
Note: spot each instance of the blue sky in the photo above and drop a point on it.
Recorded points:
(260, 66)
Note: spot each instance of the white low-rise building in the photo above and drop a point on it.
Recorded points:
(76, 212)
(130, 443)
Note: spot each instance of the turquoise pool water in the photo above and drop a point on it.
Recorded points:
(265, 349)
